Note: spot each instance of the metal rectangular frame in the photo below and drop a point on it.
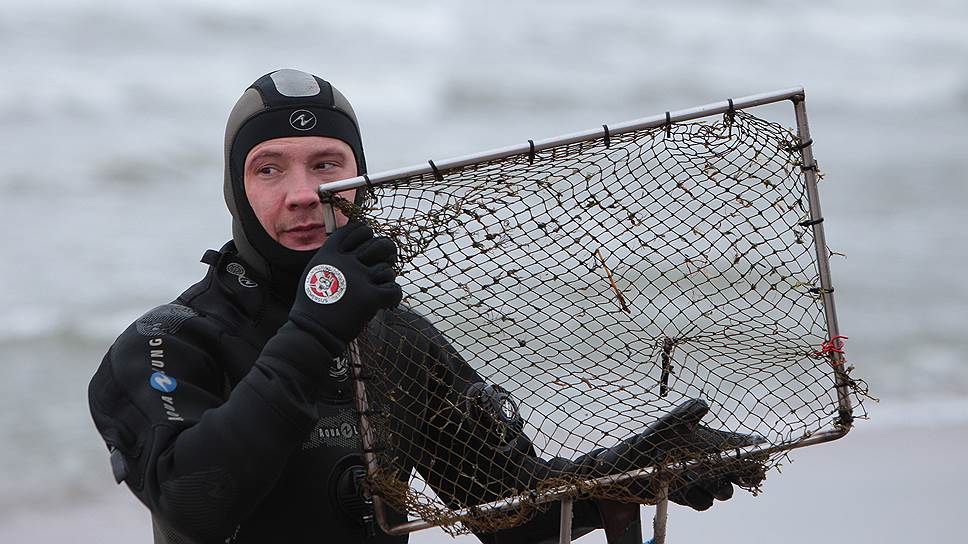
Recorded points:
(565, 493)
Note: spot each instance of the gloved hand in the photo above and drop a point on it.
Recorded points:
(698, 487)
(677, 436)
(349, 279)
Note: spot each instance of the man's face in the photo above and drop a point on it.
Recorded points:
(281, 177)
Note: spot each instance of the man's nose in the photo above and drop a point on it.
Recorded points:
(303, 193)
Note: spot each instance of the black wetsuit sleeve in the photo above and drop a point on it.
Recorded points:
(199, 454)
(468, 458)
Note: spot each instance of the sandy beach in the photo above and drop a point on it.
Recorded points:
(884, 482)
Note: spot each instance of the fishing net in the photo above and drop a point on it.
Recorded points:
(596, 288)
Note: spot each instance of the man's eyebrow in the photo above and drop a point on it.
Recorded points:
(324, 153)
(265, 153)
(330, 152)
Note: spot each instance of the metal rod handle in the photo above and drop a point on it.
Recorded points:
(329, 211)
(366, 431)
(564, 534)
(661, 514)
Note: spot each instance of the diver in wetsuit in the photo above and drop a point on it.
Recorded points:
(228, 411)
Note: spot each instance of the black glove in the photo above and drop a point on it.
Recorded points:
(349, 279)
(678, 436)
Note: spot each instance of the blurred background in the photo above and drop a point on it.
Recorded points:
(111, 120)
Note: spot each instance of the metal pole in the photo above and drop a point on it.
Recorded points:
(564, 533)
(823, 262)
(661, 514)
(362, 406)
(540, 145)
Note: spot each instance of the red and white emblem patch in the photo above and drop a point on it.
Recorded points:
(325, 284)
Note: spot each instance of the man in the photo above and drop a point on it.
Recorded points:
(215, 407)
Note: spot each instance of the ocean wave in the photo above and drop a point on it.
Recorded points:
(55, 326)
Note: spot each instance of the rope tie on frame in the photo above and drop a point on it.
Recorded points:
(437, 175)
(834, 345)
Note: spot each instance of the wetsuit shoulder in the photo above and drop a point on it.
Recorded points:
(133, 389)
(178, 430)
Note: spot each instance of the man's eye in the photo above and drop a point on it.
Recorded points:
(325, 165)
(266, 170)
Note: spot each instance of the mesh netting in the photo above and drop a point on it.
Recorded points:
(594, 287)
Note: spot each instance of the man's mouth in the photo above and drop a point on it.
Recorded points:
(303, 236)
(304, 228)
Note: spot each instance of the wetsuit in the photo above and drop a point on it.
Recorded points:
(226, 444)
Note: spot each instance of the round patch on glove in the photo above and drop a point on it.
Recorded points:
(325, 284)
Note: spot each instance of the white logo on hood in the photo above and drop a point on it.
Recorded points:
(302, 120)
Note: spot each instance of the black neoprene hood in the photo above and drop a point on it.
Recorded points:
(282, 104)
